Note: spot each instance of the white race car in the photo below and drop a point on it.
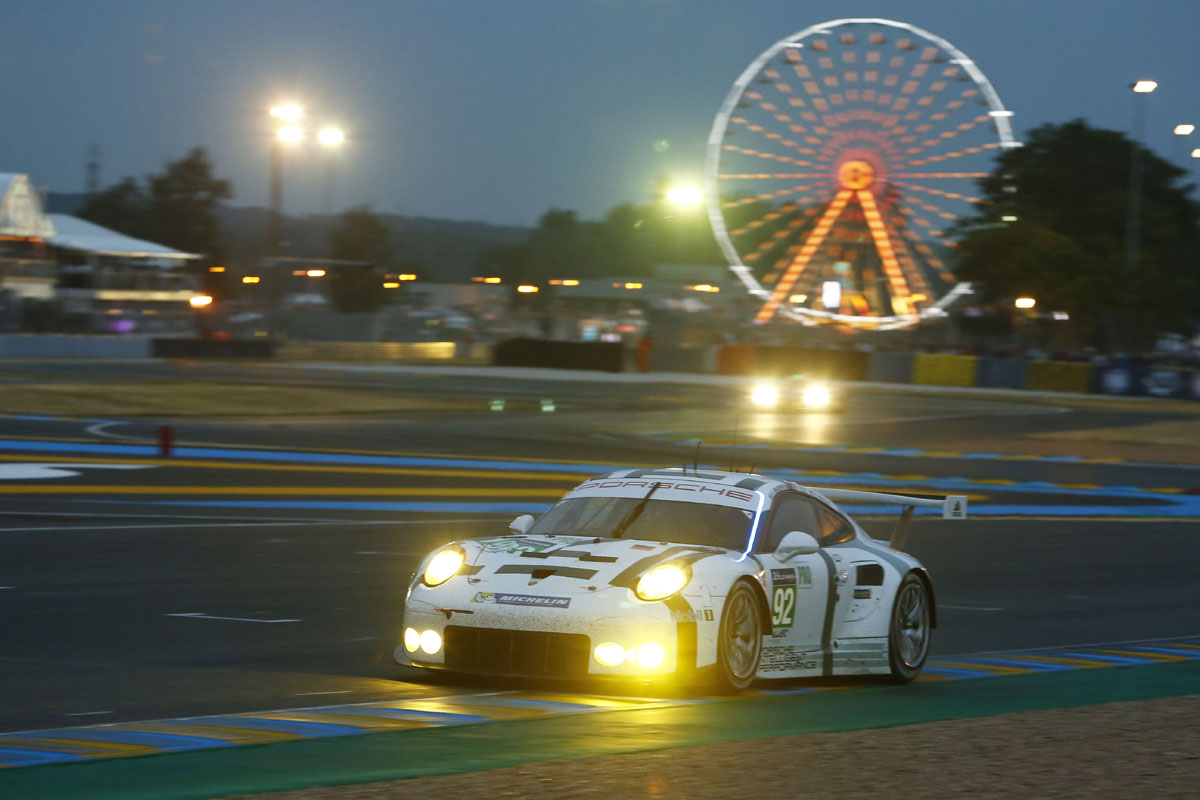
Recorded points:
(713, 577)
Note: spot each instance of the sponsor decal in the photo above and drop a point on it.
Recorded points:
(507, 599)
(782, 577)
(705, 615)
(862, 594)
(515, 544)
(680, 486)
(782, 657)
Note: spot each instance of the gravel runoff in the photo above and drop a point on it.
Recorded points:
(1117, 750)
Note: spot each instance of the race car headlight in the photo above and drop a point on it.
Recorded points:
(764, 394)
(663, 581)
(817, 395)
(444, 566)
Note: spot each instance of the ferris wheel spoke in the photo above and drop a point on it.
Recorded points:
(939, 157)
(901, 303)
(772, 136)
(791, 191)
(937, 192)
(811, 244)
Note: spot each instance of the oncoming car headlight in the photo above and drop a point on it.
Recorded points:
(444, 566)
(663, 581)
(764, 394)
(817, 395)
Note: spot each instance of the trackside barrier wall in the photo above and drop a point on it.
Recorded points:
(65, 346)
(829, 363)
(1058, 376)
(1128, 380)
(212, 348)
(736, 359)
(1001, 373)
(683, 359)
(602, 356)
(940, 369)
(366, 351)
(890, 367)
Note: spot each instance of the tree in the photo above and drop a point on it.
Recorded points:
(359, 235)
(177, 207)
(1067, 189)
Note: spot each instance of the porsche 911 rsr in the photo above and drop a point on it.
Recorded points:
(708, 576)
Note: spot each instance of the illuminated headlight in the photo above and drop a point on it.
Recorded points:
(663, 581)
(610, 654)
(817, 395)
(444, 566)
(649, 655)
(412, 640)
(431, 642)
(764, 394)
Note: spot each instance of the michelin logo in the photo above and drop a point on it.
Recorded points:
(521, 600)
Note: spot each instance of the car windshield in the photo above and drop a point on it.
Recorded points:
(659, 521)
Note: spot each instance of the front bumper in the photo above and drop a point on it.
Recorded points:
(551, 643)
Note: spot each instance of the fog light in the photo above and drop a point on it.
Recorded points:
(610, 654)
(412, 640)
(431, 642)
(647, 656)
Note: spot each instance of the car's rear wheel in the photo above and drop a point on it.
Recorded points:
(739, 644)
(908, 634)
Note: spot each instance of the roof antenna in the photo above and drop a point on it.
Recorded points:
(696, 458)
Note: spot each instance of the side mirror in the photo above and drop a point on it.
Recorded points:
(521, 525)
(796, 543)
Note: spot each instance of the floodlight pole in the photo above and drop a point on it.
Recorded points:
(275, 224)
(1133, 219)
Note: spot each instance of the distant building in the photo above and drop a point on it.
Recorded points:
(26, 263)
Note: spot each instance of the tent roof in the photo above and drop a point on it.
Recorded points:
(74, 233)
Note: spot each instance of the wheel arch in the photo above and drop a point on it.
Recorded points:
(763, 605)
(923, 576)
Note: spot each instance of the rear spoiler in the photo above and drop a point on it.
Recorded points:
(953, 507)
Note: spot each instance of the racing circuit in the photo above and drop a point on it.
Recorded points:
(247, 588)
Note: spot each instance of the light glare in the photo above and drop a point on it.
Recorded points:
(684, 196)
(288, 112)
(662, 582)
(1185, 129)
(331, 137)
(610, 654)
(648, 655)
(290, 134)
(431, 642)
(315, 273)
(1145, 87)
(817, 396)
(1025, 302)
(764, 395)
(444, 566)
(412, 640)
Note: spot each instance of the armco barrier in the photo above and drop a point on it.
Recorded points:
(67, 346)
(1058, 376)
(603, 356)
(366, 351)
(212, 348)
(941, 369)
(1001, 373)
(890, 367)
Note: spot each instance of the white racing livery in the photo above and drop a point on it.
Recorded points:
(713, 577)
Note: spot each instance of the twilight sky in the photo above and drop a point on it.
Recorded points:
(498, 111)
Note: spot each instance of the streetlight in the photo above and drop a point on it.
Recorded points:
(684, 196)
(331, 138)
(1134, 205)
(288, 134)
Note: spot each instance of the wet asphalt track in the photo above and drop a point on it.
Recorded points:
(111, 577)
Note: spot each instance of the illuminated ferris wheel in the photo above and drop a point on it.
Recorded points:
(837, 165)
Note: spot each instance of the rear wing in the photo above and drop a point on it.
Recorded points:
(953, 507)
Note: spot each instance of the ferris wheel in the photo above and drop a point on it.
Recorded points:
(838, 164)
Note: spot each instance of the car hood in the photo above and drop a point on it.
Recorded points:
(573, 564)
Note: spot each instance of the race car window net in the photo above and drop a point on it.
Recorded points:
(660, 521)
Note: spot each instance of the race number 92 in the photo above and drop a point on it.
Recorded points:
(783, 605)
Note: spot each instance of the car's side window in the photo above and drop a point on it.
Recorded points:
(835, 529)
(792, 512)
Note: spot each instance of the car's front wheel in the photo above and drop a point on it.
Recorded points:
(908, 634)
(739, 646)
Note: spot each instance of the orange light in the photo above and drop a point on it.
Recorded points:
(200, 301)
(315, 273)
(391, 285)
(250, 279)
(216, 269)
(556, 283)
(407, 276)
(633, 285)
(570, 282)
(491, 280)
(477, 279)
(527, 289)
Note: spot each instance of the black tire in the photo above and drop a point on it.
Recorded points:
(739, 640)
(909, 630)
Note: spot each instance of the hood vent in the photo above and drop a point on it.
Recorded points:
(538, 573)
